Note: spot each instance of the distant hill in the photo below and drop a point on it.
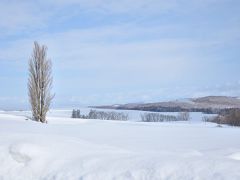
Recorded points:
(209, 104)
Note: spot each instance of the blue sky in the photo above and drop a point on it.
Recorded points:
(106, 51)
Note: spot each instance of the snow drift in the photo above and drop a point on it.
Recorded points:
(72, 149)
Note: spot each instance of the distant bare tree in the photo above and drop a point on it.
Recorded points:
(230, 117)
(74, 113)
(183, 116)
(94, 114)
(40, 82)
(157, 117)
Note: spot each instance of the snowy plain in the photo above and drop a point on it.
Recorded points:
(79, 149)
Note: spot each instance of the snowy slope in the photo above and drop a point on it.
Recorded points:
(72, 149)
(134, 115)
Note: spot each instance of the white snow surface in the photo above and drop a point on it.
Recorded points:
(78, 149)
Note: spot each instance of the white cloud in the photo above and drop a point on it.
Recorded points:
(122, 6)
(135, 6)
(19, 15)
(28, 15)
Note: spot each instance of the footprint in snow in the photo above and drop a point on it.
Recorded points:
(23, 152)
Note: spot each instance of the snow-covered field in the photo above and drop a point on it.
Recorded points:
(76, 149)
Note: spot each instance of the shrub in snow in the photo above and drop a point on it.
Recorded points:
(210, 119)
(76, 113)
(183, 116)
(230, 117)
(157, 117)
(94, 114)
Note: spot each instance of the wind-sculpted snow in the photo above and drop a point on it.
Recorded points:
(74, 149)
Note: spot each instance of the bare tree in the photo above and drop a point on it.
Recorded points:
(40, 82)
(183, 116)
(157, 117)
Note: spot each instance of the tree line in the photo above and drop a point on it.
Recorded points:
(229, 116)
(157, 117)
(146, 117)
(103, 115)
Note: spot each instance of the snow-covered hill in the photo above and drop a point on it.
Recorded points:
(210, 104)
(69, 149)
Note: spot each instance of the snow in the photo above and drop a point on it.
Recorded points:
(235, 156)
(67, 148)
